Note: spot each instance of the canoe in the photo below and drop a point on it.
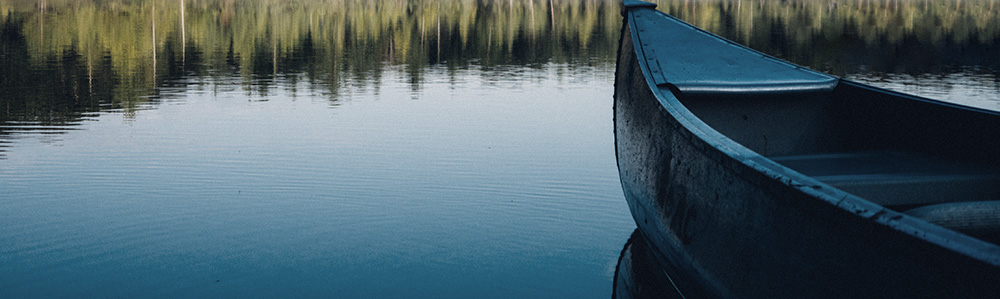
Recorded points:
(751, 177)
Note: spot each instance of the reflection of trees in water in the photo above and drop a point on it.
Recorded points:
(53, 99)
(842, 36)
(64, 58)
(325, 42)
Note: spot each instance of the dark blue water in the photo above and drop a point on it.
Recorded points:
(483, 187)
(357, 149)
(345, 149)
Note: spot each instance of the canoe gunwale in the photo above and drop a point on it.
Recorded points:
(752, 166)
(917, 98)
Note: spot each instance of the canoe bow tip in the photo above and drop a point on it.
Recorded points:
(630, 4)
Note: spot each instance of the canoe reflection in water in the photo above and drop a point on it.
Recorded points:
(638, 275)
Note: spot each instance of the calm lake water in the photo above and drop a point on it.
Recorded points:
(264, 148)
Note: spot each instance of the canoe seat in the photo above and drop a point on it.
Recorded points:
(980, 219)
(891, 178)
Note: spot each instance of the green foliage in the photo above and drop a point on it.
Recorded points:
(330, 42)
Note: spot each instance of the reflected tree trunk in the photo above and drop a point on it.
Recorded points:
(90, 74)
(41, 22)
(152, 17)
(183, 36)
(439, 38)
(552, 15)
(531, 7)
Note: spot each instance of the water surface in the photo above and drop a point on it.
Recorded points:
(207, 148)
(348, 149)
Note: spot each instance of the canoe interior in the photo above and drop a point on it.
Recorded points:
(897, 151)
